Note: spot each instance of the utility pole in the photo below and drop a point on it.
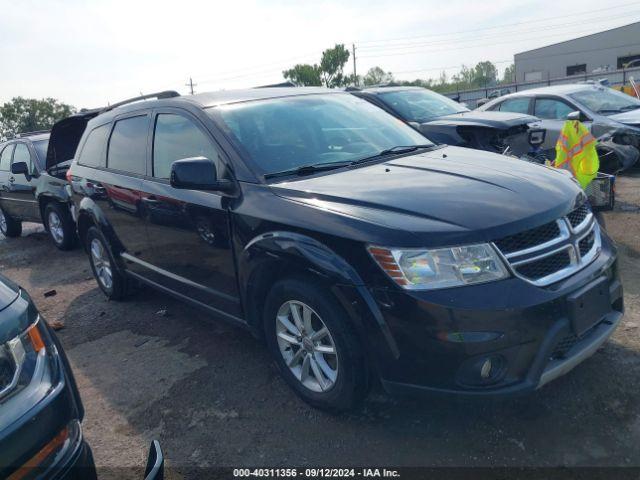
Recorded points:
(355, 75)
(191, 85)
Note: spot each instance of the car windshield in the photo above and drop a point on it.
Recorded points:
(291, 132)
(41, 151)
(420, 105)
(606, 100)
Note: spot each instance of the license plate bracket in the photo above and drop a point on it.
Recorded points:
(588, 305)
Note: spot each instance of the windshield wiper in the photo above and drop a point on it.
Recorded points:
(398, 149)
(609, 110)
(308, 169)
(629, 107)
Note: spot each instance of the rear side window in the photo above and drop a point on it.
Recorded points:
(92, 154)
(22, 155)
(5, 158)
(128, 145)
(515, 105)
(178, 137)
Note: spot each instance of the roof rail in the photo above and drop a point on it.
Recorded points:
(277, 85)
(351, 88)
(30, 134)
(158, 95)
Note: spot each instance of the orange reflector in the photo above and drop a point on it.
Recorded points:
(36, 339)
(35, 461)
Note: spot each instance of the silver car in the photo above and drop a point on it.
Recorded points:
(612, 116)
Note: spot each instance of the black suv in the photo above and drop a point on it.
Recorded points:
(353, 246)
(30, 192)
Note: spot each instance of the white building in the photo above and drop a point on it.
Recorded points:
(604, 51)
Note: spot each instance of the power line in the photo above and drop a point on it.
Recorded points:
(580, 23)
(528, 22)
(491, 44)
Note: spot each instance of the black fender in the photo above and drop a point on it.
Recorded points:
(90, 215)
(271, 256)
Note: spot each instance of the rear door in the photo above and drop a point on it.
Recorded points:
(113, 180)
(6, 153)
(189, 230)
(20, 195)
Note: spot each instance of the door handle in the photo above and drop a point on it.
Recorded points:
(151, 199)
(12, 179)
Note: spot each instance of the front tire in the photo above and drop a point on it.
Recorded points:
(9, 226)
(60, 226)
(314, 346)
(111, 281)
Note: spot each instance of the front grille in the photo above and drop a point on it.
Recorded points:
(555, 250)
(6, 371)
(545, 266)
(578, 215)
(586, 244)
(529, 238)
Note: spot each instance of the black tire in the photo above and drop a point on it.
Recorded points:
(117, 288)
(10, 227)
(351, 383)
(65, 239)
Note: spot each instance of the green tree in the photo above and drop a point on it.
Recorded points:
(29, 114)
(304, 75)
(509, 75)
(329, 73)
(377, 76)
(484, 74)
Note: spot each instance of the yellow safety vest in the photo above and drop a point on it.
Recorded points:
(576, 152)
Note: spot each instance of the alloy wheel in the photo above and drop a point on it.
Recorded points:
(3, 222)
(306, 346)
(55, 227)
(102, 264)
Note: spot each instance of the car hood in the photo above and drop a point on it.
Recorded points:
(66, 135)
(446, 194)
(9, 291)
(630, 118)
(485, 119)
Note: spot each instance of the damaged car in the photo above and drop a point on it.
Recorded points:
(612, 117)
(445, 121)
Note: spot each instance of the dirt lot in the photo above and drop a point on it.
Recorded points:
(154, 368)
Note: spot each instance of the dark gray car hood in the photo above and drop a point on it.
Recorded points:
(484, 119)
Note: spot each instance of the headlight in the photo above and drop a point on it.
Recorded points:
(19, 360)
(421, 269)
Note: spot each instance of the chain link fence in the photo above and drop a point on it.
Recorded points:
(615, 79)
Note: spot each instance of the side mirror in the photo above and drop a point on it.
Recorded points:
(198, 173)
(20, 168)
(577, 115)
(155, 463)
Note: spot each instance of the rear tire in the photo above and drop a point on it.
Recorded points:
(302, 349)
(9, 226)
(60, 226)
(111, 280)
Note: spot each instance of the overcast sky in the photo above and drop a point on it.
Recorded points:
(90, 53)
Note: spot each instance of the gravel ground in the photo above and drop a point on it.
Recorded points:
(155, 368)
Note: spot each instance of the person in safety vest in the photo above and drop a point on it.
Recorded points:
(576, 152)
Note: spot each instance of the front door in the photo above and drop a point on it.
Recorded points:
(553, 114)
(20, 195)
(5, 173)
(189, 230)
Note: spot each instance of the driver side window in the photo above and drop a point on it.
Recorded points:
(22, 154)
(177, 137)
(550, 109)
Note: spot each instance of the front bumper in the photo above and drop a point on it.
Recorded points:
(443, 337)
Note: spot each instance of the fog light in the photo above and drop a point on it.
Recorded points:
(485, 370)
